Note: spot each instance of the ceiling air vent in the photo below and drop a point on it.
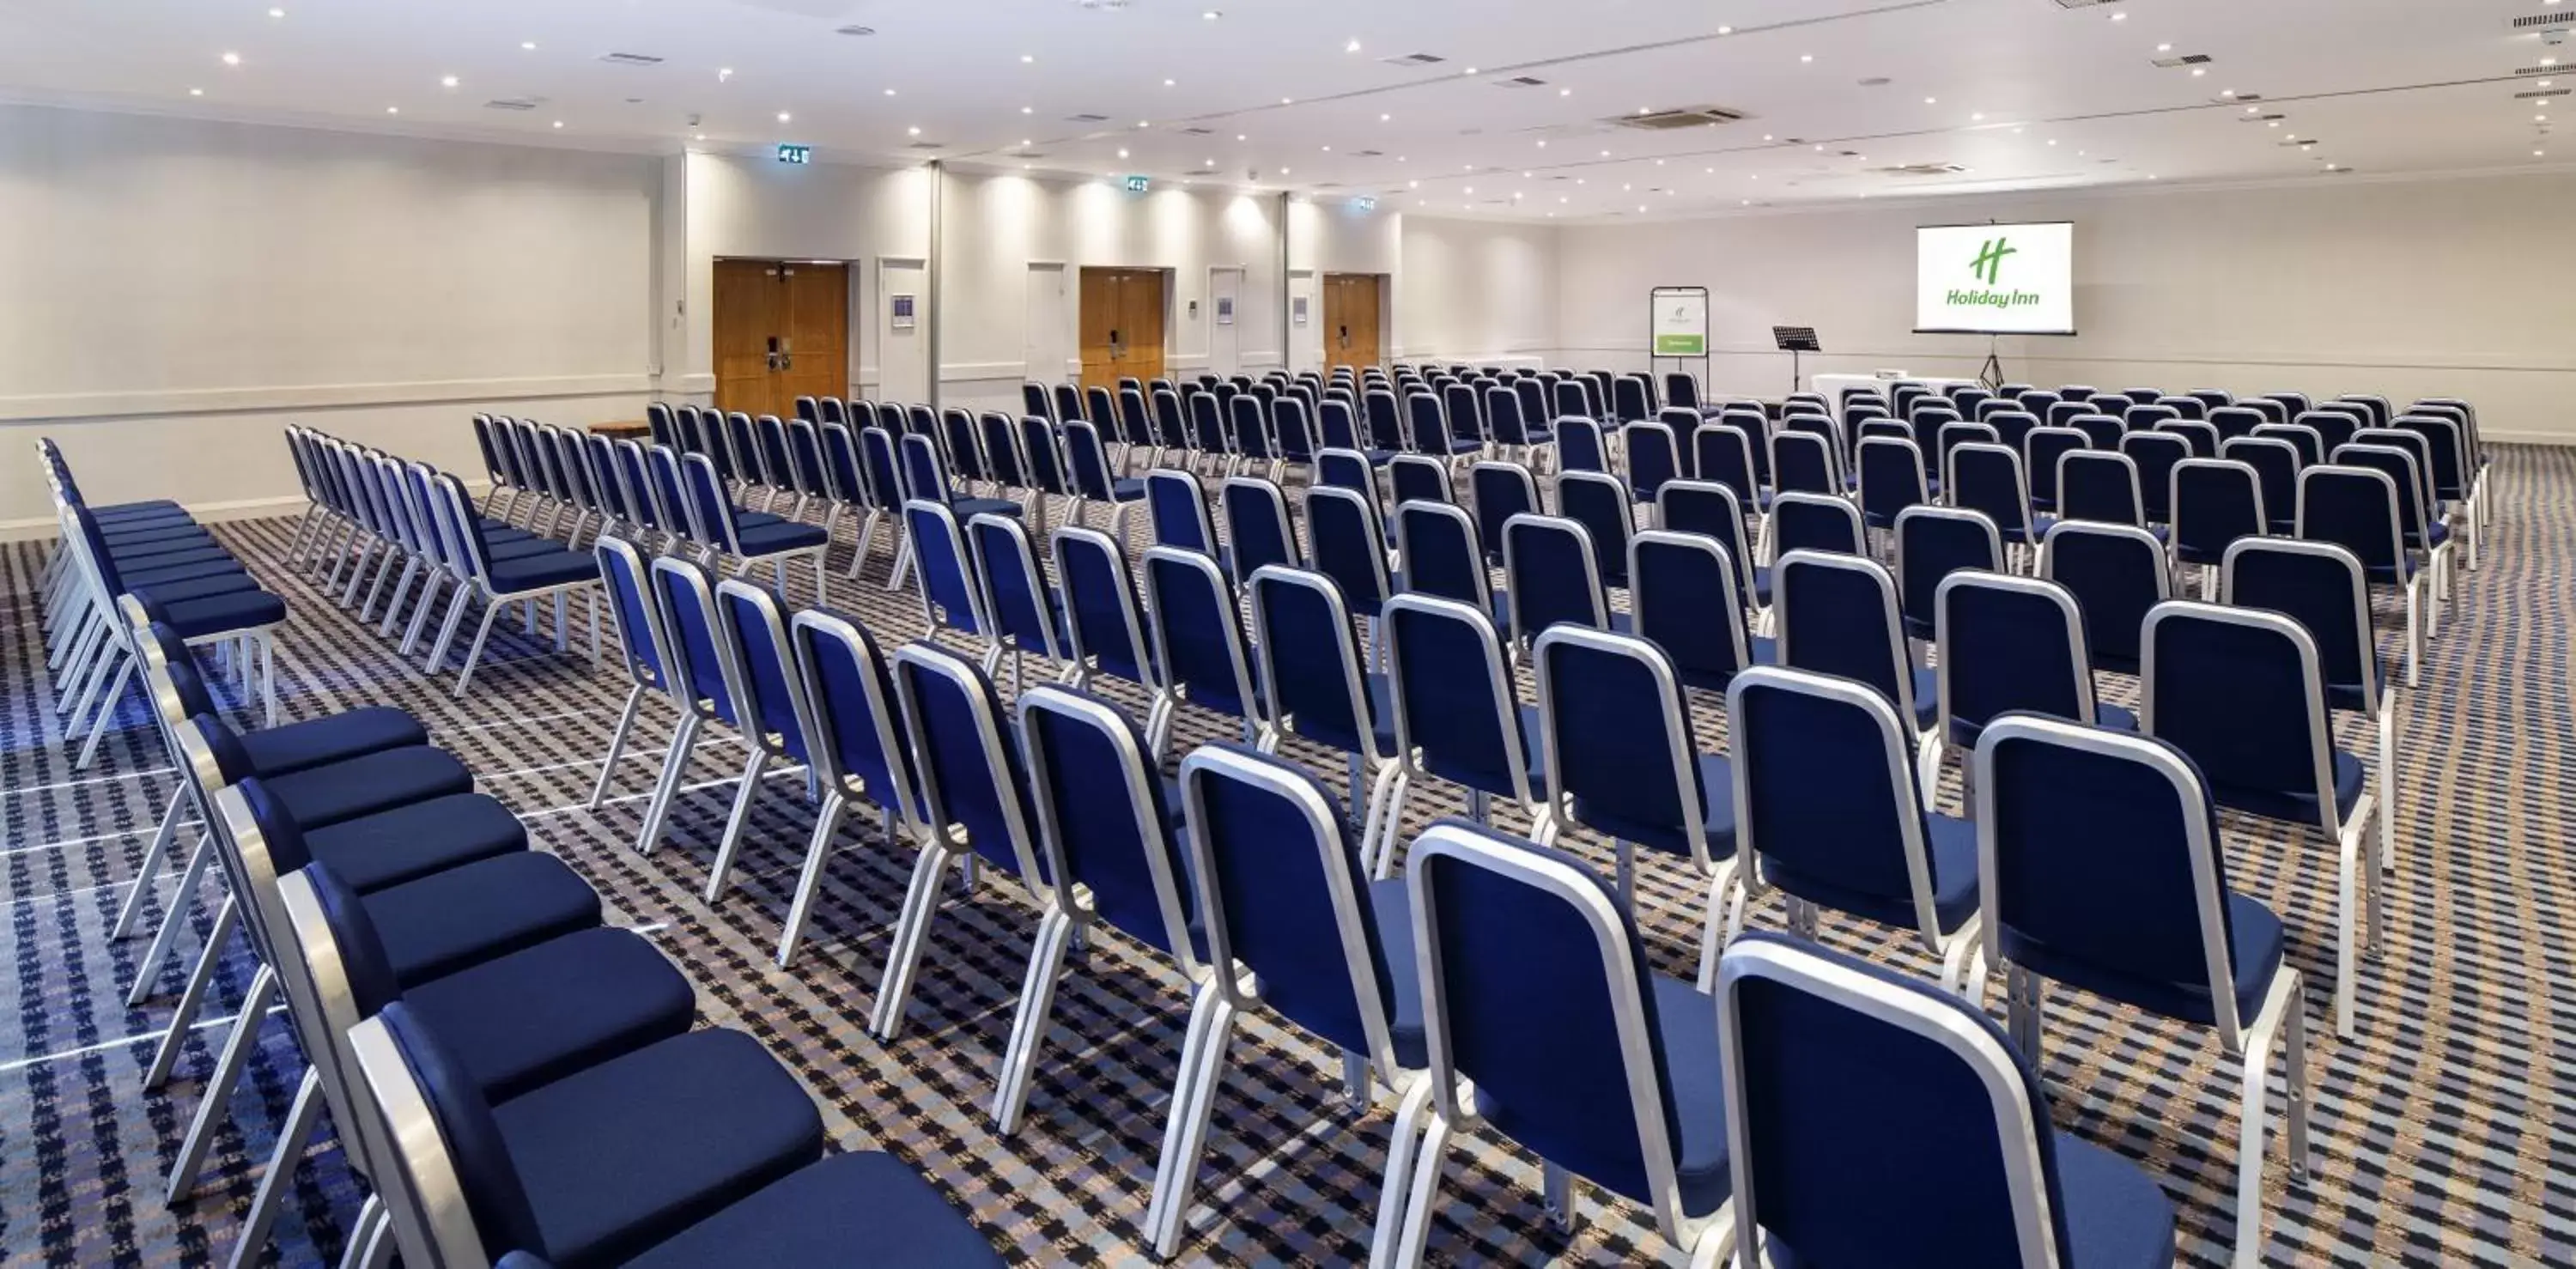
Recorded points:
(1198, 132)
(2542, 20)
(510, 103)
(1521, 81)
(2274, 117)
(927, 145)
(2541, 92)
(1368, 154)
(1685, 117)
(630, 59)
(2235, 99)
(855, 30)
(2187, 59)
(2084, 4)
(1922, 169)
(1200, 171)
(1414, 59)
(2526, 72)
(1086, 118)
(1027, 154)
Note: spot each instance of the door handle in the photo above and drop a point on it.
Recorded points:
(772, 355)
(786, 353)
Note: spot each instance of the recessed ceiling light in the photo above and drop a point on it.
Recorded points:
(2164, 48)
(447, 81)
(2119, 17)
(1471, 189)
(1978, 116)
(2273, 124)
(528, 46)
(1931, 101)
(1565, 92)
(2253, 110)
(2544, 83)
(393, 110)
(1328, 149)
(1028, 110)
(1806, 57)
(1469, 71)
(784, 117)
(1202, 162)
(889, 92)
(1525, 176)
(1144, 123)
(1287, 101)
(2538, 153)
(232, 59)
(1168, 83)
(1211, 15)
(1386, 118)
(1352, 47)
(1413, 184)
(917, 132)
(2198, 71)
(1726, 30)
(196, 92)
(1659, 162)
(1238, 136)
(1578, 180)
(723, 73)
(2549, 61)
(1625, 188)
(1028, 58)
(1122, 152)
(277, 13)
(697, 136)
(1283, 171)
(2226, 92)
(1641, 207)
(1746, 203)
(2052, 140)
(558, 123)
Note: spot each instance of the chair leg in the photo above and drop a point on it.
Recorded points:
(730, 844)
(447, 629)
(151, 866)
(1373, 819)
(1420, 1201)
(2387, 785)
(666, 789)
(818, 855)
(268, 678)
(394, 603)
(1400, 1160)
(2352, 875)
(421, 615)
(1029, 1026)
(148, 973)
(214, 1104)
(292, 1138)
(616, 744)
(474, 653)
(1725, 917)
(1201, 1073)
(912, 931)
(106, 714)
(193, 999)
(1383, 866)
(2414, 639)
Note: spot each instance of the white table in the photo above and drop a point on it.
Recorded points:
(1832, 385)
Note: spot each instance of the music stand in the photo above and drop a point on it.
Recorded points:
(1795, 341)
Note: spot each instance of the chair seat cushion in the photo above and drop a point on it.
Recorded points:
(225, 614)
(450, 920)
(317, 797)
(778, 539)
(1394, 916)
(2117, 1217)
(162, 570)
(144, 533)
(819, 1214)
(1717, 816)
(171, 554)
(635, 1151)
(209, 586)
(2114, 717)
(2350, 779)
(533, 1017)
(146, 509)
(277, 751)
(519, 548)
(1762, 587)
(966, 509)
(755, 519)
(1687, 1031)
(1952, 847)
(537, 572)
(2255, 953)
(407, 843)
(1126, 490)
(1927, 698)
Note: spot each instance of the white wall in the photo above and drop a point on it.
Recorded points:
(2407, 288)
(177, 290)
(1479, 291)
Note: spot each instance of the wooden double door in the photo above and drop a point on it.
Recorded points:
(782, 332)
(1123, 313)
(1352, 305)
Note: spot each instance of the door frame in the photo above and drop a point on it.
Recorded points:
(1068, 320)
(1385, 289)
(879, 293)
(854, 299)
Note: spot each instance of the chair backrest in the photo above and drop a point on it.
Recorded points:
(1957, 1124)
(1816, 522)
(1283, 891)
(2117, 573)
(1865, 849)
(2098, 853)
(951, 596)
(2405, 470)
(1988, 479)
(880, 470)
(1456, 715)
(1536, 987)
(1628, 398)
(1068, 402)
(2444, 453)
(856, 740)
(1683, 597)
(1654, 456)
(1344, 541)
(634, 618)
(2241, 692)
(1931, 544)
(1579, 446)
(1103, 824)
(2202, 437)
(1198, 634)
(1256, 526)
(1442, 553)
(1036, 400)
(1177, 506)
(2310, 446)
(1015, 594)
(685, 595)
(1552, 571)
(1725, 454)
(1891, 478)
(1102, 617)
(1419, 477)
(2322, 587)
(2099, 487)
(2275, 463)
(1005, 463)
(1712, 509)
(2215, 502)
(2334, 425)
(2360, 509)
(925, 472)
(759, 668)
(2155, 455)
(1838, 615)
(1248, 428)
(2232, 421)
(2009, 644)
(972, 783)
(1600, 502)
(1621, 755)
(1805, 462)
(1311, 659)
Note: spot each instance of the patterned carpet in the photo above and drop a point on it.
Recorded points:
(2440, 1135)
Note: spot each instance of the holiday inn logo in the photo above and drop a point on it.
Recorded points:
(1990, 260)
(1988, 268)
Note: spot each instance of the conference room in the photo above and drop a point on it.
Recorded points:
(810, 632)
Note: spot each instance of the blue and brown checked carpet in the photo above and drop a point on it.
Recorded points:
(2443, 1133)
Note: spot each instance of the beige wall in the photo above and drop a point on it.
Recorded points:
(1482, 291)
(177, 290)
(2408, 288)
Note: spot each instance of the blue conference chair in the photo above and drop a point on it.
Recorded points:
(1875, 848)
(2241, 692)
(1876, 1121)
(1683, 599)
(643, 647)
(1502, 490)
(1715, 510)
(1199, 642)
(2321, 586)
(1537, 992)
(1319, 687)
(763, 679)
(2215, 502)
(700, 682)
(1814, 522)
(1256, 526)
(1838, 615)
(2013, 645)
(1458, 717)
(1105, 631)
(974, 792)
(721, 531)
(2361, 510)
(1091, 478)
(2116, 573)
(1443, 555)
(2103, 871)
(854, 747)
(952, 596)
(1931, 544)
(1891, 480)
(1345, 541)
(1025, 615)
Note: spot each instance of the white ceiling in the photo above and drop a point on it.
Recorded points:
(2025, 94)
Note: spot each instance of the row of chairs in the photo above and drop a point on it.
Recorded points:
(153, 550)
(398, 914)
(1096, 844)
